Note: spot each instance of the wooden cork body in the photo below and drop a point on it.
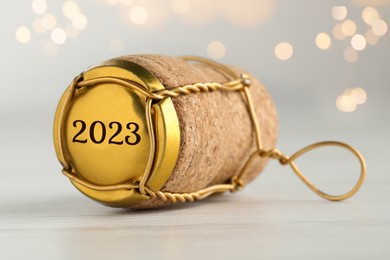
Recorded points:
(216, 132)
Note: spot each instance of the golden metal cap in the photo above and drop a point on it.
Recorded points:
(103, 137)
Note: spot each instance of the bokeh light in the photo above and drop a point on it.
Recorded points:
(245, 13)
(138, 15)
(201, 12)
(79, 21)
(348, 27)
(70, 8)
(371, 38)
(371, 2)
(351, 55)
(348, 91)
(39, 6)
(338, 33)
(23, 34)
(284, 51)
(346, 103)
(126, 2)
(323, 41)
(339, 12)
(58, 36)
(49, 21)
(379, 27)
(180, 6)
(216, 50)
(370, 15)
(112, 2)
(71, 31)
(157, 12)
(359, 95)
(248, 13)
(350, 99)
(358, 42)
(38, 26)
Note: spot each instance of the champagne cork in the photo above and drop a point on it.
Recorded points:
(215, 132)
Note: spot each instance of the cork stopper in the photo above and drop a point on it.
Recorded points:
(215, 128)
(121, 144)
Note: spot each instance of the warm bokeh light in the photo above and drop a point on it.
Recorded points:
(370, 15)
(50, 48)
(49, 21)
(348, 27)
(70, 8)
(58, 36)
(339, 12)
(245, 13)
(157, 13)
(39, 6)
(23, 34)
(112, 2)
(138, 15)
(180, 6)
(371, 2)
(351, 55)
(359, 95)
(350, 99)
(71, 31)
(358, 42)
(284, 51)
(216, 50)
(345, 103)
(348, 92)
(379, 27)
(248, 13)
(201, 12)
(338, 33)
(38, 26)
(126, 2)
(371, 38)
(323, 41)
(79, 21)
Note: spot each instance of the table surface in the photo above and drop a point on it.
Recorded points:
(42, 216)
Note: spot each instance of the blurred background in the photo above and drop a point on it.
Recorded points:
(325, 63)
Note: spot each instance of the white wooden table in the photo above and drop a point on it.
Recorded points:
(276, 217)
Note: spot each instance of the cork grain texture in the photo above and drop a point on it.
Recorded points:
(216, 132)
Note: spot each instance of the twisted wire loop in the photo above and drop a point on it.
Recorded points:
(237, 83)
(62, 116)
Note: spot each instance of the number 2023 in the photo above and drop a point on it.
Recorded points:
(132, 139)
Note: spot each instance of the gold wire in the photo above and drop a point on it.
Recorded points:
(62, 116)
(306, 149)
(87, 184)
(253, 116)
(152, 141)
(238, 83)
